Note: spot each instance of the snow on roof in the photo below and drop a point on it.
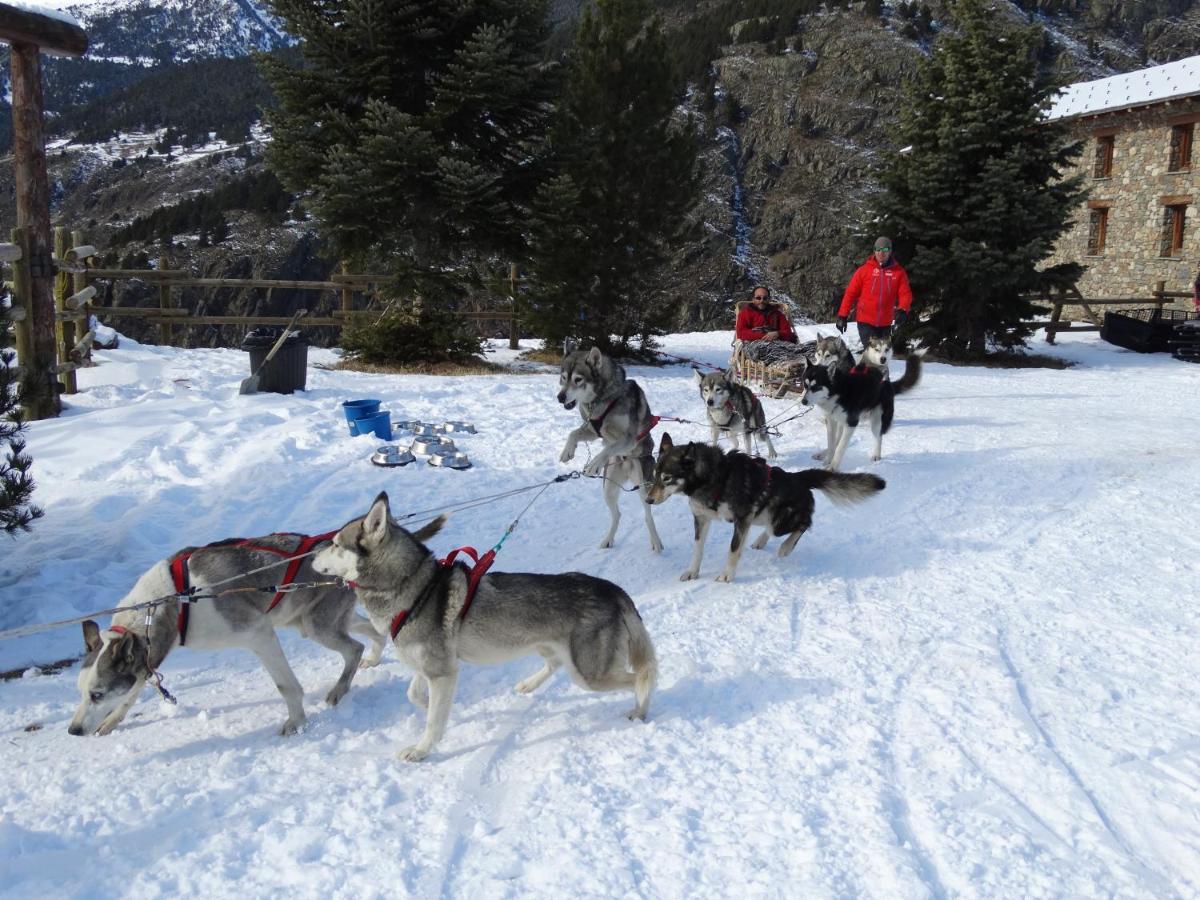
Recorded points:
(45, 9)
(1154, 85)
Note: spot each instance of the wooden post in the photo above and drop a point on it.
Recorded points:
(23, 327)
(39, 391)
(164, 302)
(347, 291)
(513, 332)
(79, 281)
(65, 329)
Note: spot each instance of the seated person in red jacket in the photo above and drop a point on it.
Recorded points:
(879, 292)
(765, 331)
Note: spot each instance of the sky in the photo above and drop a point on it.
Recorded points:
(980, 683)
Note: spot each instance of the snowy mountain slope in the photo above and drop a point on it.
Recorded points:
(979, 684)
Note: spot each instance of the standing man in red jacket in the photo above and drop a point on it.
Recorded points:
(880, 292)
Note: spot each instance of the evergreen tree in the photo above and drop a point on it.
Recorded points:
(625, 180)
(16, 484)
(414, 129)
(977, 199)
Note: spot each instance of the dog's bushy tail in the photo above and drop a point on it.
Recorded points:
(641, 658)
(843, 488)
(912, 374)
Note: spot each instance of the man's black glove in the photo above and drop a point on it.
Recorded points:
(901, 317)
(841, 324)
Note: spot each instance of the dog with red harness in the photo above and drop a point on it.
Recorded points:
(233, 593)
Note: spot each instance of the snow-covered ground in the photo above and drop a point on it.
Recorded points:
(981, 683)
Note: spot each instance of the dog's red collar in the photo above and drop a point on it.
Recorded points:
(476, 572)
(598, 422)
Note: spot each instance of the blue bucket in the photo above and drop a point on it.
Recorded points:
(356, 409)
(378, 424)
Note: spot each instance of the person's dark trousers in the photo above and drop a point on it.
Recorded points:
(866, 332)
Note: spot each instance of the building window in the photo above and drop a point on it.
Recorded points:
(1181, 147)
(1097, 232)
(1104, 156)
(1171, 242)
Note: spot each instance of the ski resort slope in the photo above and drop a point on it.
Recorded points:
(981, 683)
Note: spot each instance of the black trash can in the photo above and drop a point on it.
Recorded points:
(288, 369)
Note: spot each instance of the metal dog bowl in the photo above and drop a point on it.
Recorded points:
(450, 459)
(458, 428)
(391, 455)
(427, 445)
(405, 426)
(420, 428)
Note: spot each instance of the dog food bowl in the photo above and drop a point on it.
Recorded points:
(424, 430)
(378, 424)
(449, 459)
(405, 426)
(427, 445)
(391, 455)
(458, 428)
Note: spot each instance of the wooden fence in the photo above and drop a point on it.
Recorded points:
(1071, 297)
(75, 292)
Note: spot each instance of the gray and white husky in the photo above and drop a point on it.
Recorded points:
(832, 353)
(735, 488)
(122, 657)
(586, 625)
(732, 407)
(615, 412)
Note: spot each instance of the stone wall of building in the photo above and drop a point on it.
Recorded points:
(1135, 194)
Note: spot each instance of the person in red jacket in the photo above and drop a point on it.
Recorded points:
(764, 329)
(878, 293)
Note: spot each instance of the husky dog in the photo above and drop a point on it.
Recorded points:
(833, 355)
(585, 624)
(615, 411)
(733, 407)
(121, 658)
(877, 353)
(735, 488)
(861, 391)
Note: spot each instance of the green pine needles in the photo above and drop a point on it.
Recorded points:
(978, 198)
(17, 512)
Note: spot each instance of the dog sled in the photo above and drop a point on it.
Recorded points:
(769, 378)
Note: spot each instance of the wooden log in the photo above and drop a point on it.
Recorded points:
(51, 33)
(22, 327)
(347, 292)
(138, 274)
(255, 283)
(82, 351)
(81, 251)
(345, 277)
(14, 313)
(188, 320)
(9, 253)
(64, 317)
(62, 264)
(32, 188)
(138, 311)
(513, 333)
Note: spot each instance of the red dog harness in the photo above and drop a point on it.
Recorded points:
(183, 587)
(477, 571)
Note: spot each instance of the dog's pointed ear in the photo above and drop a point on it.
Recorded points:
(665, 444)
(570, 345)
(375, 524)
(699, 375)
(428, 530)
(129, 651)
(91, 636)
(595, 356)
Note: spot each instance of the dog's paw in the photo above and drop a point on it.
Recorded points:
(724, 577)
(656, 547)
(595, 467)
(636, 715)
(412, 754)
(291, 727)
(368, 662)
(606, 544)
(876, 457)
(106, 727)
(688, 575)
(567, 455)
(527, 686)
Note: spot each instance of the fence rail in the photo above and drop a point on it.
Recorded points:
(1158, 298)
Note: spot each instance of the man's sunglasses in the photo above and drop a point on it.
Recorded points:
(883, 249)
(761, 297)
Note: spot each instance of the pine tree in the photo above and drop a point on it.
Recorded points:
(977, 198)
(16, 483)
(624, 182)
(415, 130)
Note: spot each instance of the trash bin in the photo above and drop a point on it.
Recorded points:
(288, 369)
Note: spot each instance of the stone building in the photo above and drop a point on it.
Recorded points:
(1140, 223)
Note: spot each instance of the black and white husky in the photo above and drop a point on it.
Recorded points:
(732, 407)
(615, 412)
(847, 396)
(123, 656)
(586, 625)
(736, 488)
(832, 354)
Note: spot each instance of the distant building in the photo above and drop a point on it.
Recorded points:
(1140, 223)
